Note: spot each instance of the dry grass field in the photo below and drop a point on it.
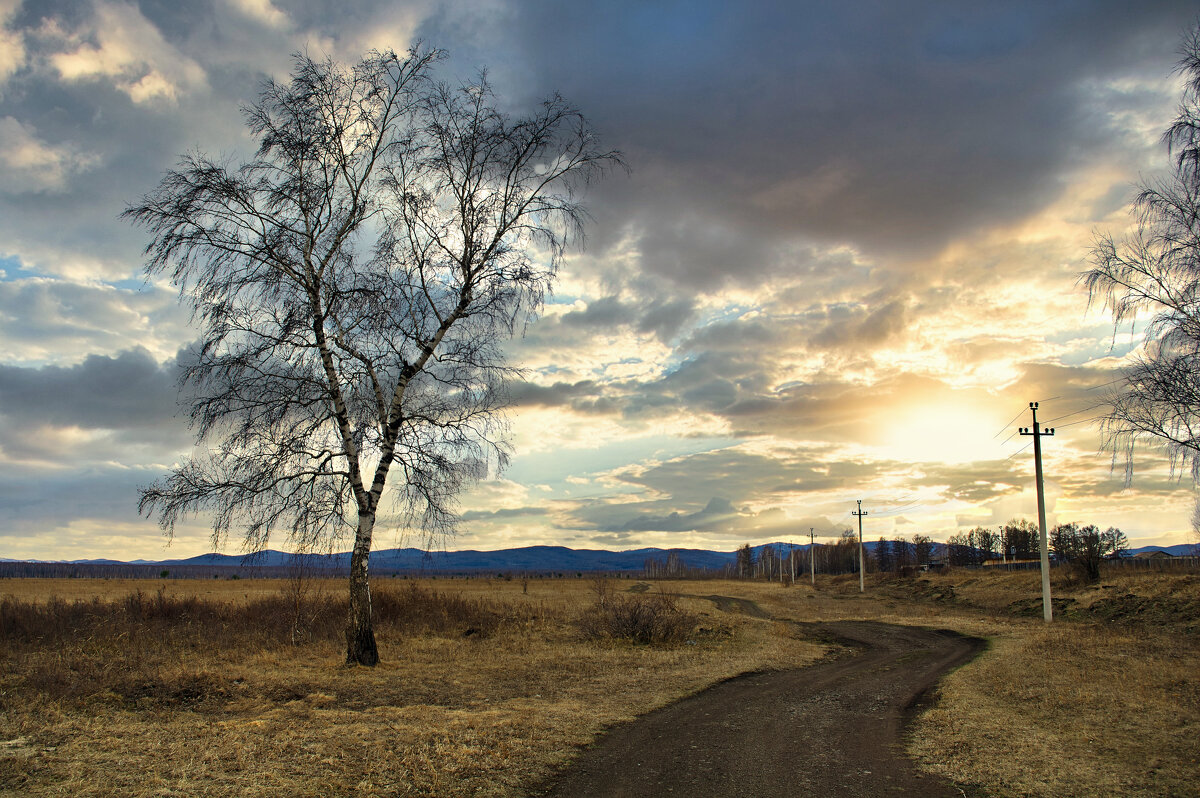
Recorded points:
(487, 686)
(1105, 701)
(198, 690)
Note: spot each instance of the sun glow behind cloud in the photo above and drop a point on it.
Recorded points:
(945, 433)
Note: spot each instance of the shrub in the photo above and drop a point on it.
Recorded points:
(647, 618)
(414, 609)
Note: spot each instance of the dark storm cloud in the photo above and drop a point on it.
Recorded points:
(129, 391)
(861, 325)
(743, 476)
(718, 517)
(527, 394)
(892, 126)
(102, 410)
(606, 312)
(510, 512)
(662, 317)
(32, 501)
(718, 514)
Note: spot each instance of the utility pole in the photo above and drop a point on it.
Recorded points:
(1038, 434)
(812, 563)
(861, 512)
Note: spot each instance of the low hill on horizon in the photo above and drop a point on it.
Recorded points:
(540, 559)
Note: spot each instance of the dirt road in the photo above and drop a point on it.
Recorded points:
(832, 729)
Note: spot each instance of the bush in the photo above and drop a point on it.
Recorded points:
(414, 610)
(647, 618)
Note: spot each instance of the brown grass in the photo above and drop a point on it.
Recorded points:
(1105, 701)
(1070, 710)
(484, 690)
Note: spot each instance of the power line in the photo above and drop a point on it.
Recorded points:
(1018, 451)
(1077, 412)
(897, 510)
(1081, 421)
(1081, 391)
(1009, 424)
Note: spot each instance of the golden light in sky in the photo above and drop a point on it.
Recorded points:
(845, 256)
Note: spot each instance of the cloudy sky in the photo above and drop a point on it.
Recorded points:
(843, 262)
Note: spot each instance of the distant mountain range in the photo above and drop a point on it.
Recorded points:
(539, 559)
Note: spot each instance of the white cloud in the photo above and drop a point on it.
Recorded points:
(391, 27)
(262, 11)
(50, 321)
(28, 164)
(12, 43)
(128, 50)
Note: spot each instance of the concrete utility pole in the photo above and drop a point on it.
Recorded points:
(861, 512)
(812, 563)
(1038, 434)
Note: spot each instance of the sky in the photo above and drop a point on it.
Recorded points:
(844, 260)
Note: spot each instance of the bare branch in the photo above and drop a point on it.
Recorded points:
(1153, 277)
(354, 284)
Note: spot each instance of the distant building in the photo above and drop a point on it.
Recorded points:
(1154, 555)
(1011, 561)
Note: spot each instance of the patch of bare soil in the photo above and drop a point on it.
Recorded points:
(731, 604)
(832, 729)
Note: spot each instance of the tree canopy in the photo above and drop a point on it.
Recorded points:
(1153, 274)
(353, 284)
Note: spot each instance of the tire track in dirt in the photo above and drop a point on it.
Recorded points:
(831, 729)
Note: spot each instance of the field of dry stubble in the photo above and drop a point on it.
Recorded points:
(189, 687)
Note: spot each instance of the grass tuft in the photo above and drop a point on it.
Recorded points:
(644, 618)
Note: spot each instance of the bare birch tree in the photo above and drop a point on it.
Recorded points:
(1154, 274)
(353, 284)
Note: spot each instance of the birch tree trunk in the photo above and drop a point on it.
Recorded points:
(360, 634)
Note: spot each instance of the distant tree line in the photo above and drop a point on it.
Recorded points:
(1069, 543)
(902, 556)
(780, 563)
(1016, 541)
(70, 570)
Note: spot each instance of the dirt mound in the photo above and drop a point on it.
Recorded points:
(1162, 611)
(1032, 607)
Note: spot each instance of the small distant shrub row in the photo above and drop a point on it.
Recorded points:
(646, 618)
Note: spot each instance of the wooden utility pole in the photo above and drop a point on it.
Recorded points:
(792, 561)
(812, 562)
(861, 579)
(1038, 434)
